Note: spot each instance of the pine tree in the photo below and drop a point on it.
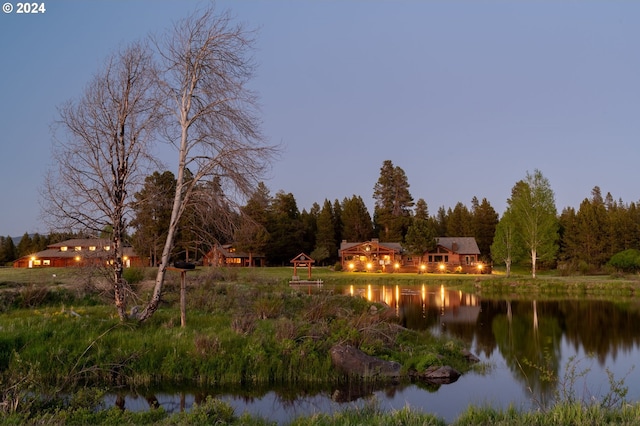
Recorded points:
(392, 214)
(459, 221)
(285, 230)
(25, 245)
(421, 210)
(592, 227)
(442, 222)
(337, 221)
(252, 236)
(326, 247)
(420, 238)
(356, 221)
(569, 246)
(152, 211)
(485, 220)
(309, 221)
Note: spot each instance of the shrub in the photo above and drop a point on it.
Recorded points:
(133, 275)
(627, 260)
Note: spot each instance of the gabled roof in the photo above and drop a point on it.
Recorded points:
(54, 250)
(302, 257)
(397, 247)
(82, 242)
(462, 245)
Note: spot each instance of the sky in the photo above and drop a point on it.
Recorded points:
(466, 97)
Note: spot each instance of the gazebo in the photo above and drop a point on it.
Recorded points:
(301, 260)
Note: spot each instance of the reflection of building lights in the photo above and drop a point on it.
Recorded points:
(369, 293)
(351, 289)
(442, 296)
(423, 293)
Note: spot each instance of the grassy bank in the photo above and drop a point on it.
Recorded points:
(214, 412)
(246, 328)
(59, 335)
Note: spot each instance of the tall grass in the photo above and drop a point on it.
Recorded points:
(244, 326)
(238, 333)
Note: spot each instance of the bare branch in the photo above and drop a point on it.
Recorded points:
(205, 66)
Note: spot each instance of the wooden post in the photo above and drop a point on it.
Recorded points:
(183, 298)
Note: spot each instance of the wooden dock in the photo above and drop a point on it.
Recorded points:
(317, 283)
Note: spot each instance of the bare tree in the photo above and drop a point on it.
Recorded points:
(212, 116)
(100, 150)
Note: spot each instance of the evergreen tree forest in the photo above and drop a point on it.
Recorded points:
(583, 240)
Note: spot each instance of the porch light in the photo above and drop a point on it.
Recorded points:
(396, 265)
(423, 267)
(351, 266)
(369, 265)
(77, 258)
(480, 266)
(441, 267)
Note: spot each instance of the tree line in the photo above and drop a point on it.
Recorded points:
(575, 241)
(272, 224)
(530, 232)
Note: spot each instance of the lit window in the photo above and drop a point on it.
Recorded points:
(107, 248)
(92, 248)
(77, 248)
(63, 248)
(36, 263)
(46, 262)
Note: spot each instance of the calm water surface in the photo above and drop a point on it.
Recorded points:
(509, 335)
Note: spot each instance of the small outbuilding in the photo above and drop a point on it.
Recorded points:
(228, 255)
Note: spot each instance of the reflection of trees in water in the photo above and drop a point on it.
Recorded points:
(529, 342)
(601, 328)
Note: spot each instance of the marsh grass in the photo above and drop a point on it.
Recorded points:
(254, 333)
(61, 335)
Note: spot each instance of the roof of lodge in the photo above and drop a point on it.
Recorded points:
(55, 250)
(465, 245)
(83, 242)
(344, 245)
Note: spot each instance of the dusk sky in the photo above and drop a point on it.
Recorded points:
(466, 97)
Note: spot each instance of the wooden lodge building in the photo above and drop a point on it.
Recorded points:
(228, 255)
(77, 252)
(452, 254)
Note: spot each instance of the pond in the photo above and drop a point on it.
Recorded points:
(582, 342)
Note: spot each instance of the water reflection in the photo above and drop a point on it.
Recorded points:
(528, 334)
(422, 307)
(526, 341)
